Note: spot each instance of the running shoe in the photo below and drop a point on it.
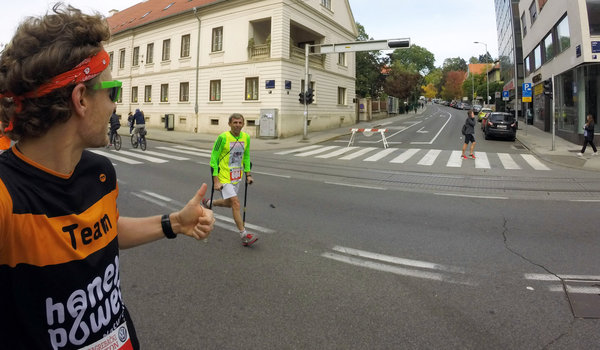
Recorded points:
(472, 156)
(206, 203)
(248, 239)
(464, 157)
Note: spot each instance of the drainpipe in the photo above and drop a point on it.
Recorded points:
(197, 68)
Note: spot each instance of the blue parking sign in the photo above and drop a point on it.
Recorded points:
(505, 95)
(527, 93)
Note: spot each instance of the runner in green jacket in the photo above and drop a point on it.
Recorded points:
(229, 160)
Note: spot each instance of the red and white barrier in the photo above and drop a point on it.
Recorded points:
(367, 133)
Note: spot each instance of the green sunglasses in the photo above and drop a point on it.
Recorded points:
(114, 87)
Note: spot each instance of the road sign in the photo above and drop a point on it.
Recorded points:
(527, 93)
(505, 95)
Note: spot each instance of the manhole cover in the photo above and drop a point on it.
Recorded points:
(584, 297)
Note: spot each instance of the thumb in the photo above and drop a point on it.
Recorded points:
(197, 199)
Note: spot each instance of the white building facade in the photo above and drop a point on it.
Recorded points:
(561, 43)
(196, 62)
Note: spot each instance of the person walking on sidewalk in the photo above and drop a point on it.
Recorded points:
(588, 136)
(229, 160)
(60, 227)
(469, 132)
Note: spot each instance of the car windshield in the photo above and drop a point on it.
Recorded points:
(501, 117)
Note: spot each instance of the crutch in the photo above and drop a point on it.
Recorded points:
(245, 195)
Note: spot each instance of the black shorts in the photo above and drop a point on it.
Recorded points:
(469, 138)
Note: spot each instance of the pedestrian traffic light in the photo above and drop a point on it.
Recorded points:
(301, 99)
(548, 88)
(309, 96)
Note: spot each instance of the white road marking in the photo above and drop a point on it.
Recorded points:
(507, 161)
(436, 135)
(170, 156)
(315, 151)
(116, 157)
(299, 149)
(357, 186)
(455, 160)
(551, 277)
(185, 151)
(430, 157)
(381, 154)
(405, 156)
(481, 160)
(339, 152)
(536, 164)
(271, 174)
(144, 157)
(469, 196)
(358, 153)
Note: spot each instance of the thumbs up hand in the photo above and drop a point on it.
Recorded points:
(194, 220)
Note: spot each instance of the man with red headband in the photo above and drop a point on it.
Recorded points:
(60, 229)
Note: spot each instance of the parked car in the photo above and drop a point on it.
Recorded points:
(483, 112)
(465, 105)
(500, 124)
(484, 118)
(477, 108)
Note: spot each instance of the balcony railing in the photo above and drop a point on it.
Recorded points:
(258, 52)
(298, 53)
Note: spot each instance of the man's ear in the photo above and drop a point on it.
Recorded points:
(79, 99)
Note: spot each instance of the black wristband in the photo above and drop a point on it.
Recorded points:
(165, 221)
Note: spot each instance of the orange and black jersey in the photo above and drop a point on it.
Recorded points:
(59, 256)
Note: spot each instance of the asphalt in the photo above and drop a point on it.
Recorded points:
(537, 141)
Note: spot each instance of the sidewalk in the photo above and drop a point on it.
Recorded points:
(534, 139)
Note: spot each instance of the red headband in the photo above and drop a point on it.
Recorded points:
(84, 71)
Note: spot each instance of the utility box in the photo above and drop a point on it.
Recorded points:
(267, 123)
(170, 121)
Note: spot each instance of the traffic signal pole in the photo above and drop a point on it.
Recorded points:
(370, 45)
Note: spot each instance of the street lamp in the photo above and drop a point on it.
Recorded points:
(487, 81)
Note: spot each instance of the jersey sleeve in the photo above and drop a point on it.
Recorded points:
(246, 159)
(216, 153)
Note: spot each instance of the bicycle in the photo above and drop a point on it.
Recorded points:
(139, 138)
(115, 140)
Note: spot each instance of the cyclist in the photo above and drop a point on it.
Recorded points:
(115, 124)
(138, 122)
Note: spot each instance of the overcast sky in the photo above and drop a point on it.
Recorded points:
(447, 28)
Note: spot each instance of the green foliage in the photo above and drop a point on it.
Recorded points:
(403, 83)
(415, 58)
(369, 64)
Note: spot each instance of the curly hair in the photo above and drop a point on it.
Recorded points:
(42, 48)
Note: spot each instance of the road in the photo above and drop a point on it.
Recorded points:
(375, 255)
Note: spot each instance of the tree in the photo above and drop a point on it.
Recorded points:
(402, 83)
(454, 64)
(435, 77)
(483, 58)
(369, 79)
(414, 58)
(429, 91)
(453, 86)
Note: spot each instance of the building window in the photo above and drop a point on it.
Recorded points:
(150, 53)
(533, 12)
(164, 92)
(217, 39)
(523, 24)
(111, 56)
(136, 56)
(537, 57)
(185, 45)
(563, 34)
(341, 96)
(527, 64)
(184, 92)
(122, 58)
(342, 59)
(548, 48)
(326, 3)
(134, 94)
(215, 90)
(148, 93)
(251, 89)
(166, 50)
(593, 9)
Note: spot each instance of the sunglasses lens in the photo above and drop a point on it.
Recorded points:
(114, 93)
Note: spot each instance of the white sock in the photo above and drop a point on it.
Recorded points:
(243, 233)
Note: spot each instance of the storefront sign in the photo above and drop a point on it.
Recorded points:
(595, 46)
(578, 50)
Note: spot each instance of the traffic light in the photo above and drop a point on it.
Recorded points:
(309, 96)
(548, 88)
(301, 99)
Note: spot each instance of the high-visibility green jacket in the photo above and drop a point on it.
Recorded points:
(230, 157)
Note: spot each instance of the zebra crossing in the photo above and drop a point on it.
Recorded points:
(421, 157)
(159, 155)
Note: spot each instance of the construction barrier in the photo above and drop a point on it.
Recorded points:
(367, 133)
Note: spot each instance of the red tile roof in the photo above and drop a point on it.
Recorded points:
(152, 10)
